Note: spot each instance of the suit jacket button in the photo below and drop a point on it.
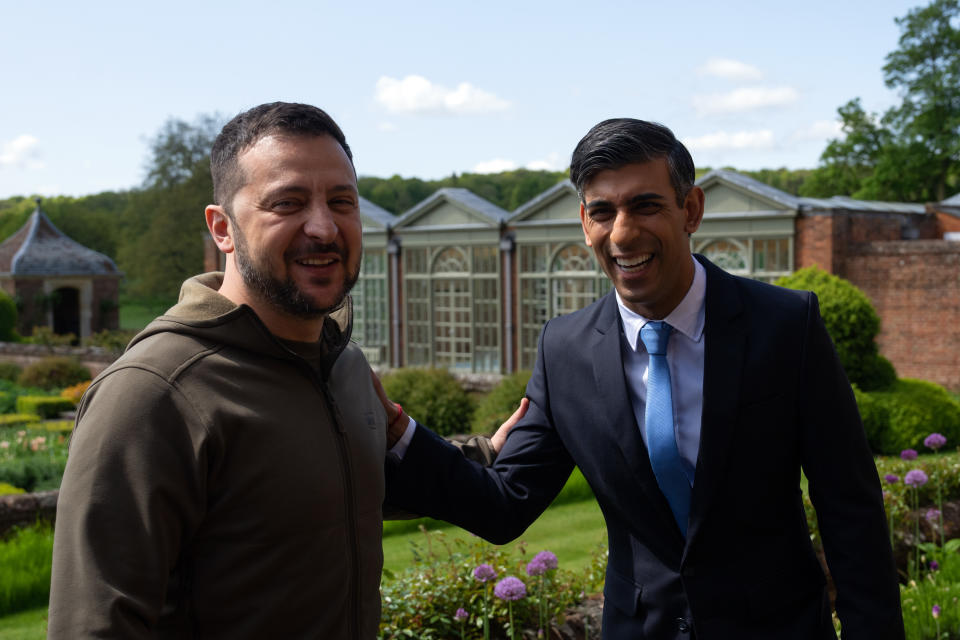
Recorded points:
(683, 625)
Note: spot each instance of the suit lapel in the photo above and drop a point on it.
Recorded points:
(722, 372)
(612, 390)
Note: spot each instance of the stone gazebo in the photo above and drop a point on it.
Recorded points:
(57, 282)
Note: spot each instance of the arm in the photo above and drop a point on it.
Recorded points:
(132, 492)
(845, 490)
(499, 502)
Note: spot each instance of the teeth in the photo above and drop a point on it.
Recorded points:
(632, 263)
(316, 262)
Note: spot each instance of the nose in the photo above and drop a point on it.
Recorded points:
(320, 224)
(626, 229)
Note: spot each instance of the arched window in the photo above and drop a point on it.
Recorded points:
(729, 255)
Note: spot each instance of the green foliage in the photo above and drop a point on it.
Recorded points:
(115, 341)
(44, 406)
(498, 405)
(420, 602)
(7, 489)
(912, 152)
(507, 190)
(901, 416)
(18, 419)
(10, 371)
(942, 588)
(46, 337)
(8, 319)
(851, 322)
(31, 457)
(54, 372)
(25, 579)
(431, 396)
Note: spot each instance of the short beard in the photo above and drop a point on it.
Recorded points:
(285, 295)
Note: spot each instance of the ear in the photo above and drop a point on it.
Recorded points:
(220, 226)
(583, 225)
(693, 208)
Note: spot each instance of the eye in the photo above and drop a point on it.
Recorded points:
(285, 205)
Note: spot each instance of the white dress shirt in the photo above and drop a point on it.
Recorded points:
(685, 352)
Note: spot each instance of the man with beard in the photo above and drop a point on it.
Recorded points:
(226, 474)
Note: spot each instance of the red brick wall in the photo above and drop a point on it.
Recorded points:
(105, 306)
(915, 287)
(947, 222)
(813, 244)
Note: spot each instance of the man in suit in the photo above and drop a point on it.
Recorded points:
(691, 399)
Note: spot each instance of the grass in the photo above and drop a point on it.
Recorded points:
(136, 314)
(26, 625)
(25, 579)
(571, 531)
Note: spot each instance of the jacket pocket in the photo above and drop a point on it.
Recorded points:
(623, 593)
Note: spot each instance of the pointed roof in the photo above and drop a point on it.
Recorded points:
(40, 249)
(483, 211)
(376, 214)
(530, 207)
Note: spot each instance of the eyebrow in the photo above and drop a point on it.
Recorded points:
(304, 191)
(640, 198)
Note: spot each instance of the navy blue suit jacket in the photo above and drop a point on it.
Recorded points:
(775, 400)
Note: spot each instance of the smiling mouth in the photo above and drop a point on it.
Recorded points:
(316, 262)
(634, 263)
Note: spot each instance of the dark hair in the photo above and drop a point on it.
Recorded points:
(617, 142)
(250, 126)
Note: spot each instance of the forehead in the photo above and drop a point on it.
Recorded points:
(651, 177)
(277, 158)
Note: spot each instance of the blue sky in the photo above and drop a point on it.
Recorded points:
(430, 88)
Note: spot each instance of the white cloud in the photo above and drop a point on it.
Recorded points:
(23, 152)
(553, 162)
(745, 99)
(731, 70)
(416, 94)
(727, 140)
(494, 166)
(820, 130)
(387, 127)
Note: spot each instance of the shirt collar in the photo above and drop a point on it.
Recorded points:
(686, 318)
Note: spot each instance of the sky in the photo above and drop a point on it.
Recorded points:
(426, 89)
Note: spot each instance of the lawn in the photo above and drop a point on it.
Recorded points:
(136, 314)
(26, 625)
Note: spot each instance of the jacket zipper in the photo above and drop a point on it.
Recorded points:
(354, 602)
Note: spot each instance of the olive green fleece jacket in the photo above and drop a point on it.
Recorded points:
(218, 486)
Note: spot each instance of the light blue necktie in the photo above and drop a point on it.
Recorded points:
(658, 416)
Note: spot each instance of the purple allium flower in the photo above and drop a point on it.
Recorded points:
(892, 478)
(933, 516)
(934, 565)
(908, 454)
(484, 572)
(510, 588)
(915, 478)
(935, 612)
(934, 441)
(541, 563)
(460, 615)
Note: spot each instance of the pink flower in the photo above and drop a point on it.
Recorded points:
(891, 478)
(484, 573)
(935, 612)
(908, 454)
(510, 588)
(915, 478)
(541, 563)
(460, 615)
(934, 441)
(4, 445)
(933, 516)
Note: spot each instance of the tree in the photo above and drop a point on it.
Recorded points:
(912, 152)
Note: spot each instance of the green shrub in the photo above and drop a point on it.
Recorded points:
(8, 319)
(115, 340)
(25, 579)
(914, 409)
(18, 419)
(875, 418)
(500, 403)
(8, 489)
(852, 323)
(44, 406)
(34, 473)
(10, 371)
(54, 372)
(432, 397)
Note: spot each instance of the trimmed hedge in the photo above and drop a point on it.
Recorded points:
(501, 402)
(852, 323)
(18, 419)
(902, 416)
(10, 371)
(7, 489)
(431, 396)
(55, 372)
(8, 319)
(44, 406)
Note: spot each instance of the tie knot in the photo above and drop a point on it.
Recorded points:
(655, 336)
